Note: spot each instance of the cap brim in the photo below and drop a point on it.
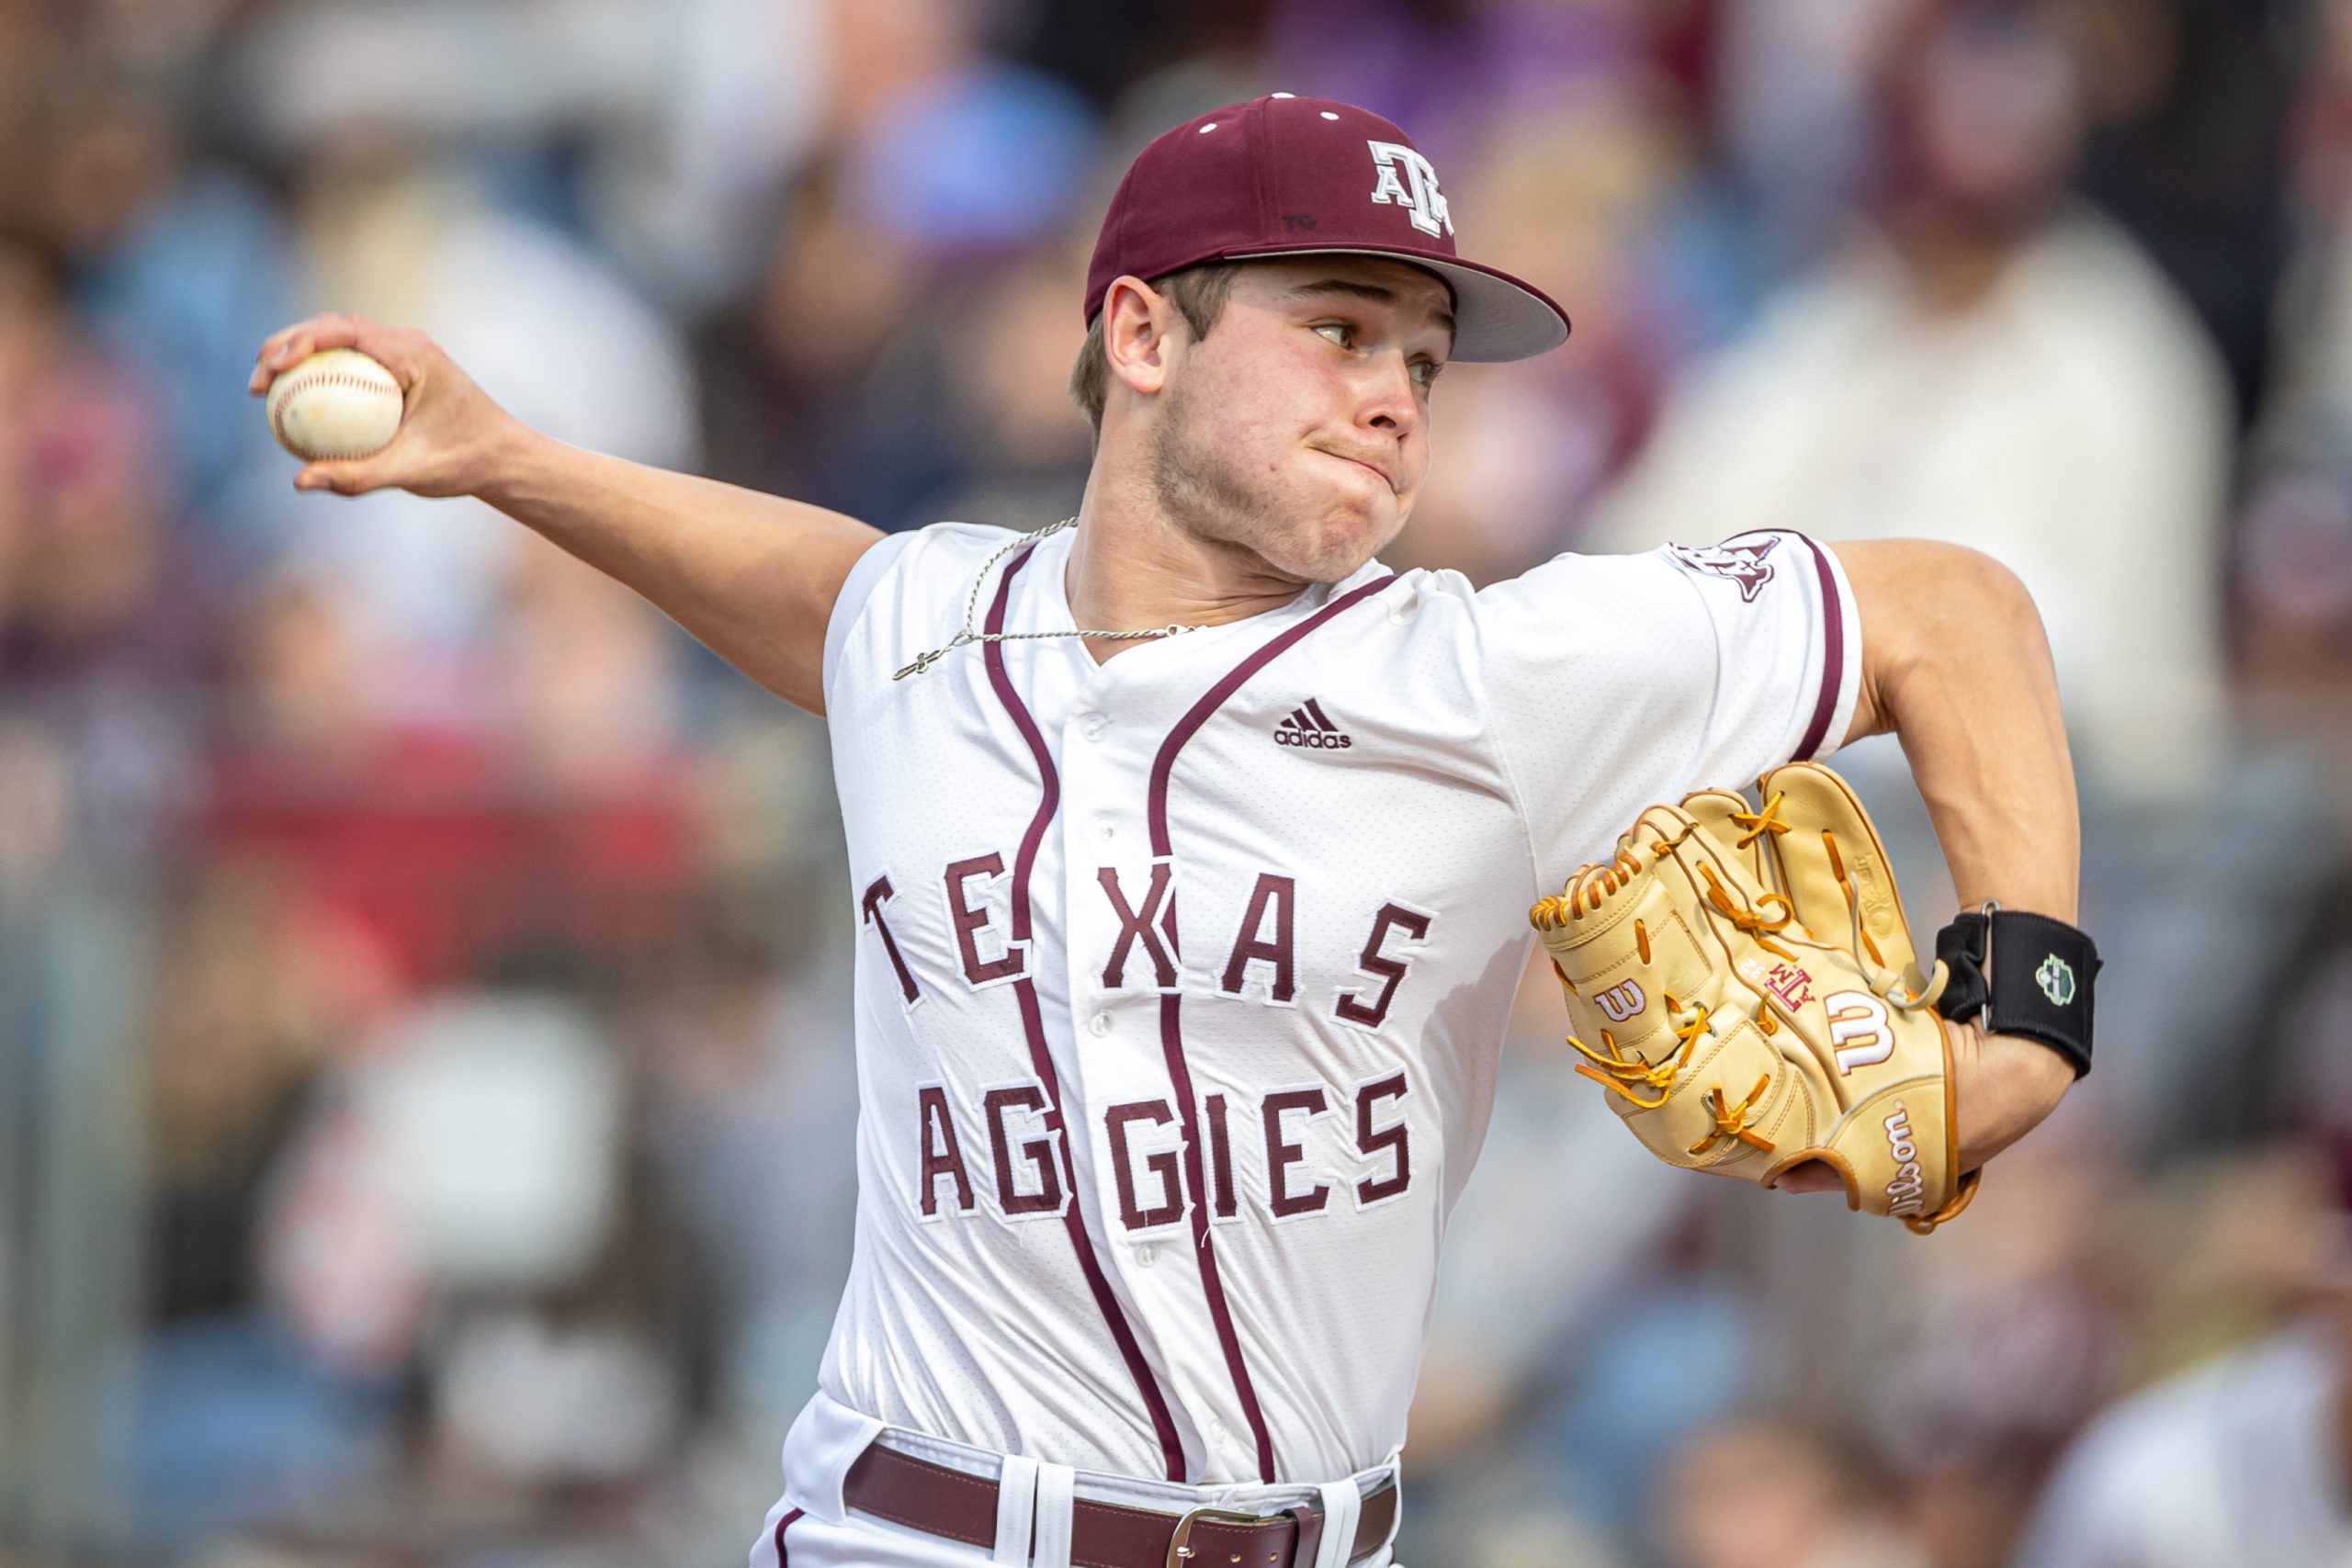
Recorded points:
(1495, 317)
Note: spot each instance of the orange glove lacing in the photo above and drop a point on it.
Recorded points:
(1617, 1071)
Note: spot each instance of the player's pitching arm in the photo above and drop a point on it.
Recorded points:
(1956, 664)
(753, 576)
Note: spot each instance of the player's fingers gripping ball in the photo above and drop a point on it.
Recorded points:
(1742, 982)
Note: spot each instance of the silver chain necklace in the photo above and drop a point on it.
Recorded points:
(968, 637)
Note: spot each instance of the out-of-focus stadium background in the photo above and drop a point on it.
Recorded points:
(424, 1081)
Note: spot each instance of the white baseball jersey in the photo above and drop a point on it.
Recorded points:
(1181, 976)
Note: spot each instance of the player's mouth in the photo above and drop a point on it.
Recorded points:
(1369, 464)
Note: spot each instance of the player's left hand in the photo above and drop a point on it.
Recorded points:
(1742, 982)
(2006, 1084)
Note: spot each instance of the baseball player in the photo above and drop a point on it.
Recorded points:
(1191, 853)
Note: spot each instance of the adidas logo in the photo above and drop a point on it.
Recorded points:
(1309, 726)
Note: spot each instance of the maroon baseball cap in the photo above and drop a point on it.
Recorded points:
(1285, 175)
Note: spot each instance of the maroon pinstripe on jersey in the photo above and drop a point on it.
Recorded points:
(1833, 658)
(1033, 1025)
(1172, 1026)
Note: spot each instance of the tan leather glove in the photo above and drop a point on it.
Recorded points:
(1742, 982)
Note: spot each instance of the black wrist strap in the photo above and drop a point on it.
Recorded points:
(2021, 974)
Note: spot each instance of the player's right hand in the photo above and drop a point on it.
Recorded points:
(453, 439)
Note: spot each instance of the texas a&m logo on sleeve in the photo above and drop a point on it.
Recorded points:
(1745, 564)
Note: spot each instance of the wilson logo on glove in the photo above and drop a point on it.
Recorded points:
(1904, 1193)
(1859, 1016)
(1621, 1000)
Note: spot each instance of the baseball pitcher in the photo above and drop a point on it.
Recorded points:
(1194, 853)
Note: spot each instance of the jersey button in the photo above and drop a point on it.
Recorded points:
(1098, 1024)
(1093, 725)
(1147, 1254)
(1104, 830)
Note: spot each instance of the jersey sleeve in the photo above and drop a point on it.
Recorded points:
(1613, 682)
(858, 588)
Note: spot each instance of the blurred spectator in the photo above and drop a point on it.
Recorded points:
(825, 383)
(913, 292)
(585, 680)
(1592, 196)
(438, 850)
(748, 1084)
(985, 157)
(1763, 1493)
(1990, 365)
(2294, 547)
(480, 1135)
(547, 328)
(1021, 448)
(2190, 103)
(181, 268)
(2009, 1334)
(232, 1420)
(1454, 72)
(2238, 1461)
(252, 1003)
(686, 201)
(102, 614)
(1795, 111)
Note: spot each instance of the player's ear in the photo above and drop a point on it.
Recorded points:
(1136, 322)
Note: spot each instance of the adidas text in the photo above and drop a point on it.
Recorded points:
(1310, 727)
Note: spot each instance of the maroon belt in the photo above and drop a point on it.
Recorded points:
(944, 1502)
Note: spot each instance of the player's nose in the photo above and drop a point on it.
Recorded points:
(1387, 399)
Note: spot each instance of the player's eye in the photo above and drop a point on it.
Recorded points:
(1425, 373)
(1339, 332)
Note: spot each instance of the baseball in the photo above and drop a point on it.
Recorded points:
(336, 403)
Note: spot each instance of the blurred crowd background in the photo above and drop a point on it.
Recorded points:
(424, 1081)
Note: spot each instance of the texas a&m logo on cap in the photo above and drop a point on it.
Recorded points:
(1407, 179)
(1282, 173)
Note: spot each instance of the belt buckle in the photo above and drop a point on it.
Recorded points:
(1180, 1546)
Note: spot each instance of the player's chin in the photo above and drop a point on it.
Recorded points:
(1344, 536)
(1330, 552)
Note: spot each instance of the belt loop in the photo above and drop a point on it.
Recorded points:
(1057, 1491)
(1016, 1510)
(1342, 1504)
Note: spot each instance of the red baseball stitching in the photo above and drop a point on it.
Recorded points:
(305, 380)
